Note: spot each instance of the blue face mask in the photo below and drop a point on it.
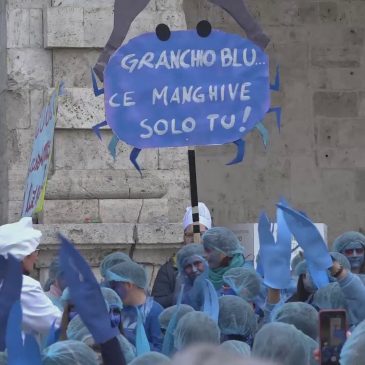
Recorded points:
(354, 252)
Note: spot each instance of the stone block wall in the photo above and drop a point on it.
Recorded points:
(3, 126)
(101, 204)
(317, 161)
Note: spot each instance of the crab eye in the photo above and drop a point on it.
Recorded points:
(163, 32)
(204, 28)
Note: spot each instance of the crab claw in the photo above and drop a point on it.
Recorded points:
(96, 128)
(133, 157)
(277, 111)
(240, 143)
(96, 89)
(264, 133)
(276, 85)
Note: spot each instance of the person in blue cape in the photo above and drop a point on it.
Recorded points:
(282, 343)
(352, 245)
(165, 283)
(301, 315)
(223, 252)
(109, 261)
(196, 328)
(193, 270)
(237, 320)
(129, 280)
(69, 352)
(168, 313)
(352, 352)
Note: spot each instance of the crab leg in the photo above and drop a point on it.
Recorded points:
(238, 10)
(112, 146)
(240, 143)
(276, 85)
(264, 133)
(133, 157)
(277, 111)
(96, 128)
(96, 89)
(125, 11)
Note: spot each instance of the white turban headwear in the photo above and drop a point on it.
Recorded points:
(19, 239)
(204, 216)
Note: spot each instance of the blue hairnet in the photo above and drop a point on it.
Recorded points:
(353, 351)
(129, 272)
(301, 315)
(112, 260)
(3, 358)
(223, 240)
(54, 272)
(296, 260)
(196, 327)
(282, 343)
(344, 239)
(213, 355)
(111, 298)
(77, 331)
(236, 316)
(236, 347)
(166, 315)
(330, 297)
(341, 259)
(69, 352)
(151, 358)
(129, 351)
(311, 345)
(301, 268)
(244, 281)
(186, 252)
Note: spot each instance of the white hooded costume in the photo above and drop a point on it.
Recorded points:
(20, 239)
(204, 216)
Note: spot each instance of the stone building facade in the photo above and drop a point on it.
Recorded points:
(317, 161)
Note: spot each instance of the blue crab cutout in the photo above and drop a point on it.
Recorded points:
(152, 101)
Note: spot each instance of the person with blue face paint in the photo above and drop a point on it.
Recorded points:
(165, 283)
(352, 245)
(191, 266)
(129, 281)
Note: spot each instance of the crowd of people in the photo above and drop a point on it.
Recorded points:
(209, 303)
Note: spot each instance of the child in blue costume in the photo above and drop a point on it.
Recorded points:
(129, 280)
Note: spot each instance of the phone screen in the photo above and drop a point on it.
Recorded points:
(332, 335)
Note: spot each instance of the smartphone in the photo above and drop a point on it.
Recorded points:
(332, 335)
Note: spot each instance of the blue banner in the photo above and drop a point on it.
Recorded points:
(187, 91)
(40, 159)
